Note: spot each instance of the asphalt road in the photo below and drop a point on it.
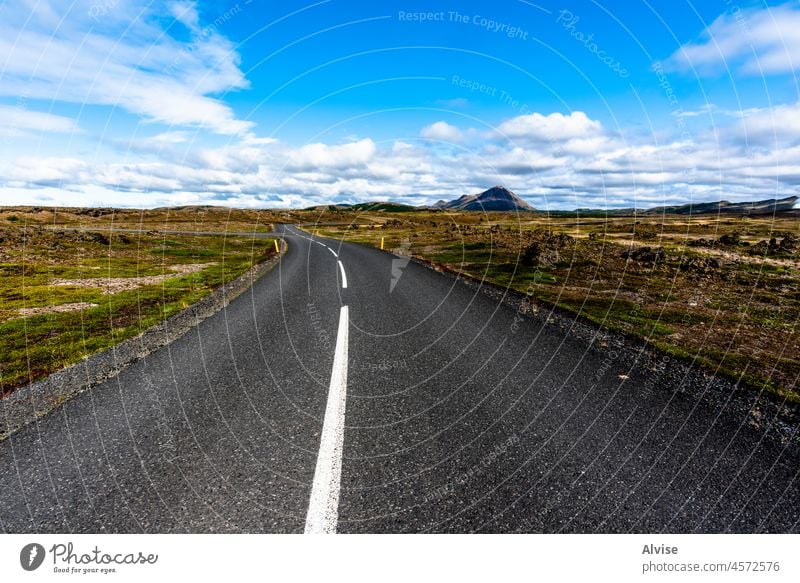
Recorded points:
(352, 391)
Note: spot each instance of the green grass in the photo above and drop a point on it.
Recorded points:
(37, 345)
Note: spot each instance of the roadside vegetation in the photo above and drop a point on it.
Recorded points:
(723, 291)
(69, 287)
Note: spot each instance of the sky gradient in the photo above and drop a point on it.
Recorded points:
(288, 104)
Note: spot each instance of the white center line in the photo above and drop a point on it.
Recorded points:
(344, 277)
(323, 507)
(331, 250)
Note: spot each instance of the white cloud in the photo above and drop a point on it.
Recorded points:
(166, 138)
(704, 110)
(43, 171)
(124, 58)
(552, 127)
(338, 157)
(186, 13)
(18, 120)
(590, 169)
(765, 126)
(521, 161)
(752, 41)
(441, 130)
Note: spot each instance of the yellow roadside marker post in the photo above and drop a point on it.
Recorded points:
(277, 249)
(381, 243)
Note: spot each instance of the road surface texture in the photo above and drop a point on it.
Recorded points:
(350, 390)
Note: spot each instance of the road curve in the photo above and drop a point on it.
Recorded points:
(350, 390)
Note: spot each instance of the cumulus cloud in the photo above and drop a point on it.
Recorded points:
(35, 171)
(521, 161)
(590, 168)
(88, 59)
(779, 125)
(158, 142)
(552, 127)
(441, 130)
(339, 157)
(752, 41)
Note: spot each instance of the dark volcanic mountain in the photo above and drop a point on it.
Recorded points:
(389, 207)
(497, 198)
(723, 207)
(762, 207)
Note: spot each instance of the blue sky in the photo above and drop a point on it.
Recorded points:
(277, 104)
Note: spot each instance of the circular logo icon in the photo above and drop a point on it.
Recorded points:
(31, 556)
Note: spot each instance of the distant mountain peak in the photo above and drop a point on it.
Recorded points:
(501, 188)
(497, 198)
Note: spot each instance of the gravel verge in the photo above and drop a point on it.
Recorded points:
(33, 401)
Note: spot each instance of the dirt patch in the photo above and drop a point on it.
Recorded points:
(73, 307)
(112, 285)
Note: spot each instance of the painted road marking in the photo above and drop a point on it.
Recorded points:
(344, 277)
(332, 251)
(323, 507)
